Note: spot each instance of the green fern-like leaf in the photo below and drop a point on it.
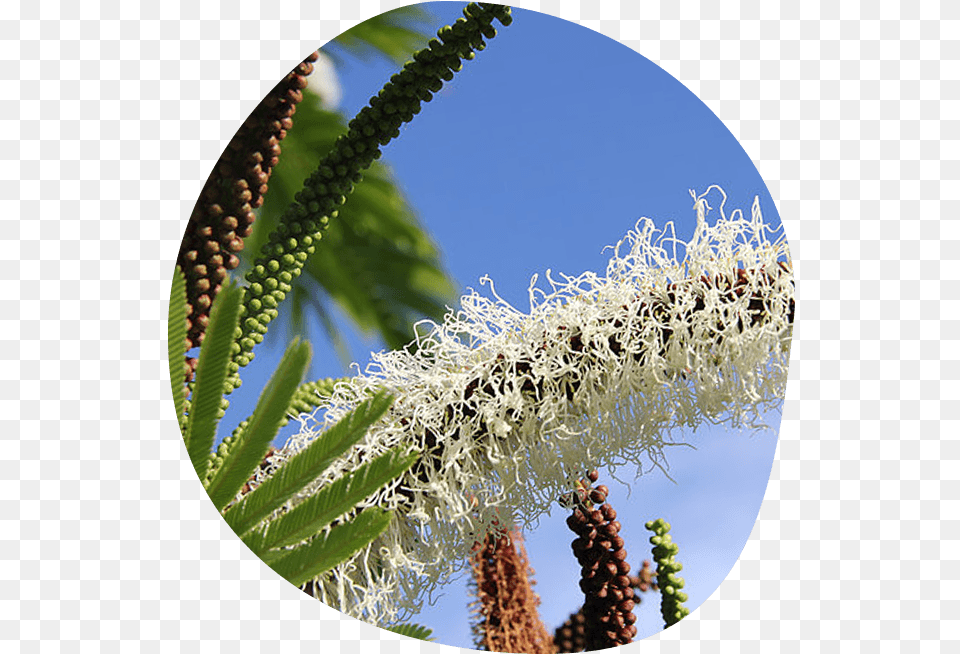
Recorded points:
(305, 466)
(212, 369)
(393, 35)
(177, 342)
(333, 548)
(413, 631)
(330, 502)
(252, 444)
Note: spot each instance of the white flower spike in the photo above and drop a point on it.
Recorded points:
(511, 408)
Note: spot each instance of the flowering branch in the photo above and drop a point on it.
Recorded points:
(505, 405)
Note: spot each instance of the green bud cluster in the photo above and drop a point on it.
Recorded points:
(308, 397)
(217, 457)
(302, 224)
(664, 553)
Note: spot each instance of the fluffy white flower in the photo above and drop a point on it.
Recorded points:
(511, 407)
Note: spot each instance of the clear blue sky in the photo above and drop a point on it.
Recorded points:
(547, 147)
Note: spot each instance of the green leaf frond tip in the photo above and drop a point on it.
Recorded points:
(177, 343)
(320, 510)
(333, 548)
(253, 442)
(413, 631)
(289, 246)
(664, 553)
(206, 407)
(306, 466)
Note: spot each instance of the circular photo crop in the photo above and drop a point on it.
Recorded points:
(479, 333)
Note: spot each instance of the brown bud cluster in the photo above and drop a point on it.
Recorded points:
(223, 215)
(609, 598)
(571, 636)
(506, 605)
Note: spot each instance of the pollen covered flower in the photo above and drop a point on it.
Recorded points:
(509, 407)
(506, 606)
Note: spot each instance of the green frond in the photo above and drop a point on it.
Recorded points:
(413, 631)
(392, 34)
(330, 502)
(177, 342)
(305, 466)
(206, 407)
(333, 548)
(253, 442)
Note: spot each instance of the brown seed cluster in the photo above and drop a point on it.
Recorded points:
(609, 599)
(223, 215)
(571, 636)
(506, 606)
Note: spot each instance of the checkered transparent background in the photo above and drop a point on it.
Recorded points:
(112, 115)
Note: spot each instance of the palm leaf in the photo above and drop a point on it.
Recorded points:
(254, 441)
(393, 35)
(330, 502)
(212, 369)
(305, 466)
(333, 548)
(177, 341)
(413, 631)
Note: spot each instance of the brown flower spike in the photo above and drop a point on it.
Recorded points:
(224, 213)
(506, 603)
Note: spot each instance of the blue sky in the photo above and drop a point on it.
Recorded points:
(547, 147)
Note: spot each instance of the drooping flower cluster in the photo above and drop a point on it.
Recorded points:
(608, 592)
(224, 213)
(302, 224)
(508, 406)
(665, 553)
(506, 605)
